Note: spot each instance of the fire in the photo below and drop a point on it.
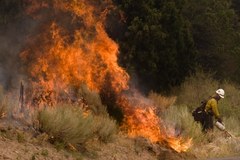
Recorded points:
(141, 120)
(72, 48)
(86, 55)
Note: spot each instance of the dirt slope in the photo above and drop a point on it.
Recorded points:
(13, 150)
(19, 141)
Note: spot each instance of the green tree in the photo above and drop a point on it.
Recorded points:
(157, 45)
(236, 5)
(216, 35)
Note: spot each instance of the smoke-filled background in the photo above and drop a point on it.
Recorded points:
(14, 30)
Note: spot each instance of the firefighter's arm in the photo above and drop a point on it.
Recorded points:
(215, 110)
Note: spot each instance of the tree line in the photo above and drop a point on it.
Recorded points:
(163, 41)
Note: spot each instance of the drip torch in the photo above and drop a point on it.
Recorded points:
(221, 127)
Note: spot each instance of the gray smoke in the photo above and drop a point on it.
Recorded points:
(13, 36)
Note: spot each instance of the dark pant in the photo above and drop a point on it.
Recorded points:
(207, 123)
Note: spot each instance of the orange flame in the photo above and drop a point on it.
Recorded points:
(141, 120)
(68, 55)
(89, 58)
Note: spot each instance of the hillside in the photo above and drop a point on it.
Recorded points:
(20, 141)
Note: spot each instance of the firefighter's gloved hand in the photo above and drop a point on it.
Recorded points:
(220, 120)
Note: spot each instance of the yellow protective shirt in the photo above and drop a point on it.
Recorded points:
(212, 107)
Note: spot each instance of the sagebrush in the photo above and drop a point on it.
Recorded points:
(93, 100)
(70, 124)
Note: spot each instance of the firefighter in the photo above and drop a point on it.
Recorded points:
(211, 110)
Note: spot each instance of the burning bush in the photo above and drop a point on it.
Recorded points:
(161, 102)
(71, 124)
(181, 118)
(93, 100)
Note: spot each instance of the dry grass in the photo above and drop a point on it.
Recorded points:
(93, 100)
(106, 128)
(181, 119)
(4, 104)
(200, 86)
(3, 109)
(162, 102)
(232, 125)
(230, 105)
(217, 145)
(70, 124)
(195, 89)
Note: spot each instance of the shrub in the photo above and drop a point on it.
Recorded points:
(93, 100)
(21, 137)
(106, 127)
(66, 123)
(70, 124)
(181, 119)
(230, 105)
(196, 88)
(3, 109)
(161, 102)
(4, 103)
(9, 104)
